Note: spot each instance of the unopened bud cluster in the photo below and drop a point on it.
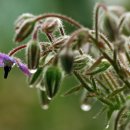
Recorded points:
(99, 59)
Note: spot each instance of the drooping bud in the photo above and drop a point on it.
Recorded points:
(51, 24)
(25, 30)
(117, 10)
(109, 25)
(44, 101)
(67, 59)
(81, 39)
(125, 26)
(80, 62)
(22, 18)
(33, 55)
(60, 41)
(53, 78)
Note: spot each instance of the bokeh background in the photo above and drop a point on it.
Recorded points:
(19, 104)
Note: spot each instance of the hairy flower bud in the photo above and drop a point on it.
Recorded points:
(51, 24)
(67, 59)
(53, 78)
(24, 30)
(60, 41)
(117, 10)
(80, 62)
(33, 55)
(109, 25)
(81, 39)
(22, 18)
(125, 26)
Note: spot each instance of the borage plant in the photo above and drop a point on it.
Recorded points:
(99, 58)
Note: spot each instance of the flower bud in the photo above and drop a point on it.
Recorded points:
(33, 55)
(67, 59)
(22, 18)
(51, 24)
(109, 25)
(60, 41)
(117, 10)
(125, 26)
(80, 62)
(25, 30)
(53, 78)
(81, 39)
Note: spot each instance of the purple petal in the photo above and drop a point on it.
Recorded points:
(24, 68)
(1, 63)
(6, 58)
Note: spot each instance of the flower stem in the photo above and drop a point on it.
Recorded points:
(98, 6)
(15, 50)
(77, 32)
(68, 19)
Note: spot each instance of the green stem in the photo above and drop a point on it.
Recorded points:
(85, 85)
(115, 66)
(109, 44)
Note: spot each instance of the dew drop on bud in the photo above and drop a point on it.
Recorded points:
(107, 125)
(45, 107)
(30, 86)
(33, 71)
(85, 107)
(49, 98)
(43, 88)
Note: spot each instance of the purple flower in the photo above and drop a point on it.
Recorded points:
(7, 62)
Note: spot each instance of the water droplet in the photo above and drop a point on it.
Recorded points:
(107, 126)
(85, 107)
(30, 86)
(43, 88)
(45, 107)
(33, 71)
(49, 98)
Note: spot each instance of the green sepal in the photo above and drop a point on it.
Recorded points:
(53, 78)
(73, 90)
(36, 76)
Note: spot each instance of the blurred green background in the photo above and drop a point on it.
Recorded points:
(19, 104)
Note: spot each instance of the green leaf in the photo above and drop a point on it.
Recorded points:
(73, 90)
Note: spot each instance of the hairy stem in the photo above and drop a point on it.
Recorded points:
(98, 6)
(66, 18)
(15, 50)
